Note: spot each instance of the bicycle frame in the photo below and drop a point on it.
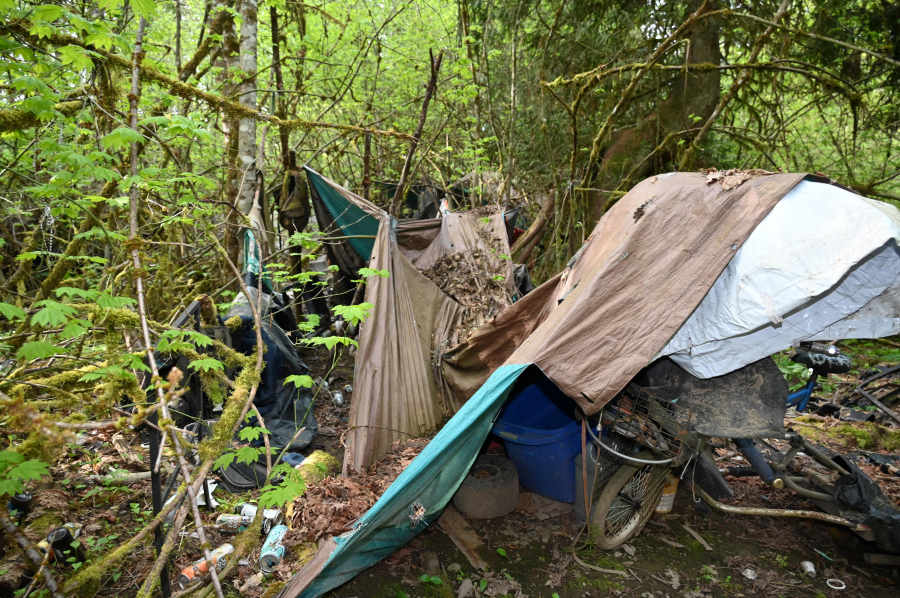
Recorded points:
(800, 398)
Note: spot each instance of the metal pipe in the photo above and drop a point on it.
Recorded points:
(776, 512)
(812, 494)
(756, 460)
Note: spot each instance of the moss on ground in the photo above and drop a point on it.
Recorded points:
(868, 436)
(318, 466)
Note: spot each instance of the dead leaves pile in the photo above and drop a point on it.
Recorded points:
(331, 506)
(733, 177)
(476, 282)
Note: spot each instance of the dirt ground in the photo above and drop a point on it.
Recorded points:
(664, 561)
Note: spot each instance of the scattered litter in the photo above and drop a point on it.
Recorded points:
(749, 573)
(697, 537)
(273, 550)
(629, 549)
(219, 558)
(808, 568)
(823, 555)
(874, 558)
(201, 496)
(836, 584)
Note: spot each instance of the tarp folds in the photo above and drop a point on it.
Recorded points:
(399, 389)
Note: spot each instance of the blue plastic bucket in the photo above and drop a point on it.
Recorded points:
(542, 436)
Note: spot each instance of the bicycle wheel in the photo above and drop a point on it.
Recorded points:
(627, 502)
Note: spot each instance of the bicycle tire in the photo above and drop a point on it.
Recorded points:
(626, 502)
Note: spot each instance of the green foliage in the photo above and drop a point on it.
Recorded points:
(37, 350)
(299, 381)
(431, 579)
(15, 470)
(353, 313)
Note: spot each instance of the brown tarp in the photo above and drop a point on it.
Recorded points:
(398, 388)
(647, 265)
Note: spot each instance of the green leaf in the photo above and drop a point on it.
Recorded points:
(207, 365)
(74, 328)
(12, 312)
(46, 13)
(501, 552)
(224, 460)
(53, 314)
(8, 457)
(370, 272)
(11, 486)
(299, 381)
(81, 293)
(75, 56)
(251, 433)
(331, 341)
(247, 454)
(37, 350)
(144, 8)
(121, 138)
(28, 470)
(482, 585)
(106, 301)
(353, 313)
(554, 595)
(279, 496)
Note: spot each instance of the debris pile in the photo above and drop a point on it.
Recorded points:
(330, 506)
(476, 282)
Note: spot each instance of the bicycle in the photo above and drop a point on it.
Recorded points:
(644, 437)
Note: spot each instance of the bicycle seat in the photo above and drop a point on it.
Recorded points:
(823, 364)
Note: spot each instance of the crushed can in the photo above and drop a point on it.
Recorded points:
(199, 568)
(273, 550)
(233, 524)
(271, 517)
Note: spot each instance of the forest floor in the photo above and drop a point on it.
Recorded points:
(665, 560)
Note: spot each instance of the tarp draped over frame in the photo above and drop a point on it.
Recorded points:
(398, 391)
(648, 264)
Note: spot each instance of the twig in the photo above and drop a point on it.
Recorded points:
(10, 528)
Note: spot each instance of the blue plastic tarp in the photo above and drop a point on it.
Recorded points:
(430, 480)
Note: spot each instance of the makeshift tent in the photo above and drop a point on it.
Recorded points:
(399, 391)
(649, 263)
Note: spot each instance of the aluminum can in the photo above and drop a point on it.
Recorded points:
(200, 567)
(273, 550)
(271, 517)
(233, 523)
(808, 569)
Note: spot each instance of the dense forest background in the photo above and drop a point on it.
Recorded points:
(138, 137)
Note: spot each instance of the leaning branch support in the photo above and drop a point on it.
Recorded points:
(187, 91)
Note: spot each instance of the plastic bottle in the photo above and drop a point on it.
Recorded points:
(338, 398)
(667, 500)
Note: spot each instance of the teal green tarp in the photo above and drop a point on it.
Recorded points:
(430, 480)
(354, 222)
